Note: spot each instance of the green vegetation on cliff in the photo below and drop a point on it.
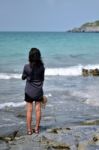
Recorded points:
(91, 24)
(87, 27)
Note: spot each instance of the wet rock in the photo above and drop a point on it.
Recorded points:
(54, 144)
(55, 130)
(68, 128)
(60, 146)
(9, 137)
(90, 122)
(93, 72)
(21, 115)
(6, 139)
(60, 138)
(58, 130)
(96, 137)
(85, 72)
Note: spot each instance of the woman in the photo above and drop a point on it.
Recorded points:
(34, 75)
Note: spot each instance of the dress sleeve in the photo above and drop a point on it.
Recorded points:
(43, 74)
(24, 74)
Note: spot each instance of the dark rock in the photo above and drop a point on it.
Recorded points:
(21, 115)
(95, 139)
(54, 131)
(9, 137)
(68, 129)
(85, 72)
(61, 147)
(96, 72)
(54, 144)
(93, 72)
(57, 130)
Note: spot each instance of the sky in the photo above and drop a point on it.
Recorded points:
(46, 15)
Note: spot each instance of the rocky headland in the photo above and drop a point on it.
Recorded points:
(87, 27)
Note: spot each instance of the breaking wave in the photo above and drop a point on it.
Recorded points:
(18, 104)
(12, 104)
(68, 71)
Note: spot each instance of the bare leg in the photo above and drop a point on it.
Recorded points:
(38, 114)
(29, 116)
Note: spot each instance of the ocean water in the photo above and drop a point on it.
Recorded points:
(64, 55)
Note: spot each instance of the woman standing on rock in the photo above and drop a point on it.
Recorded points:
(34, 75)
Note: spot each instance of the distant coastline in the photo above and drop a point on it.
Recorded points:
(87, 27)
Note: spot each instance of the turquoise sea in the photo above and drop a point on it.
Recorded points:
(64, 55)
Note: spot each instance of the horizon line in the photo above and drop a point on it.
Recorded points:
(28, 31)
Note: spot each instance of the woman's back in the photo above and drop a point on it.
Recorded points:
(34, 75)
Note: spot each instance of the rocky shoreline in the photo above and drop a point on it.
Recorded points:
(75, 128)
(80, 137)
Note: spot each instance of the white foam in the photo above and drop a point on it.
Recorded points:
(49, 105)
(70, 71)
(92, 102)
(12, 104)
(48, 95)
(67, 71)
(93, 95)
(7, 76)
(7, 125)
(92, 66)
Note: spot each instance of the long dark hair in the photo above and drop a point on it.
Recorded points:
(36, 64)
(35, 57)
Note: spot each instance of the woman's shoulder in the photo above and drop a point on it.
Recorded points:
(26, 66)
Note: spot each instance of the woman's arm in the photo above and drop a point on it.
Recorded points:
(24, 74)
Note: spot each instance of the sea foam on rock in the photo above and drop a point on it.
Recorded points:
(89, 72)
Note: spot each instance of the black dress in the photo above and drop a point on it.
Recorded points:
(34, 82)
